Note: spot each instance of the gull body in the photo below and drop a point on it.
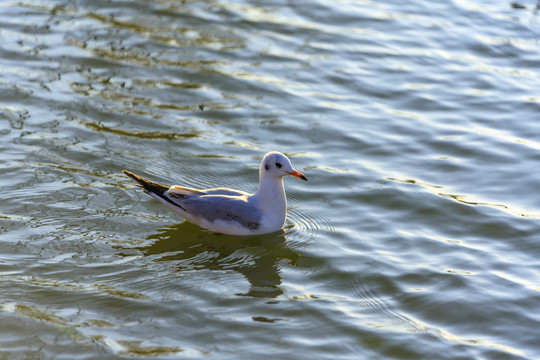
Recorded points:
(229, 211)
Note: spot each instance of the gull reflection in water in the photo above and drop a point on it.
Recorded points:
(257, 258)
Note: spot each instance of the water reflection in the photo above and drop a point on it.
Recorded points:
(257, 258)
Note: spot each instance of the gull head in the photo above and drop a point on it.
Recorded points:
(277, 165)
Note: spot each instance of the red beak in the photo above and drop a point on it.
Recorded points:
(298, 175)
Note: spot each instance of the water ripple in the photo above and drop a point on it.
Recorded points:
(469, 199)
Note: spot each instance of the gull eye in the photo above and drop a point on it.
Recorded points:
(278, 165)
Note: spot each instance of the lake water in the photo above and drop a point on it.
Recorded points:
(417, 124)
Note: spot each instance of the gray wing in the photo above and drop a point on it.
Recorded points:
(220, 207)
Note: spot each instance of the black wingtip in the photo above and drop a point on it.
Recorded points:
(130, 174)
(151, 187)
(148, 185)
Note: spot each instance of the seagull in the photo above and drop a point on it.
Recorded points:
(228, 211)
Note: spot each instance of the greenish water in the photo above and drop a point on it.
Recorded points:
(416, 123)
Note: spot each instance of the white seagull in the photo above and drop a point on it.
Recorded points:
(229, 211)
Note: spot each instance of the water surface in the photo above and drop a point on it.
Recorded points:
(417, 125)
